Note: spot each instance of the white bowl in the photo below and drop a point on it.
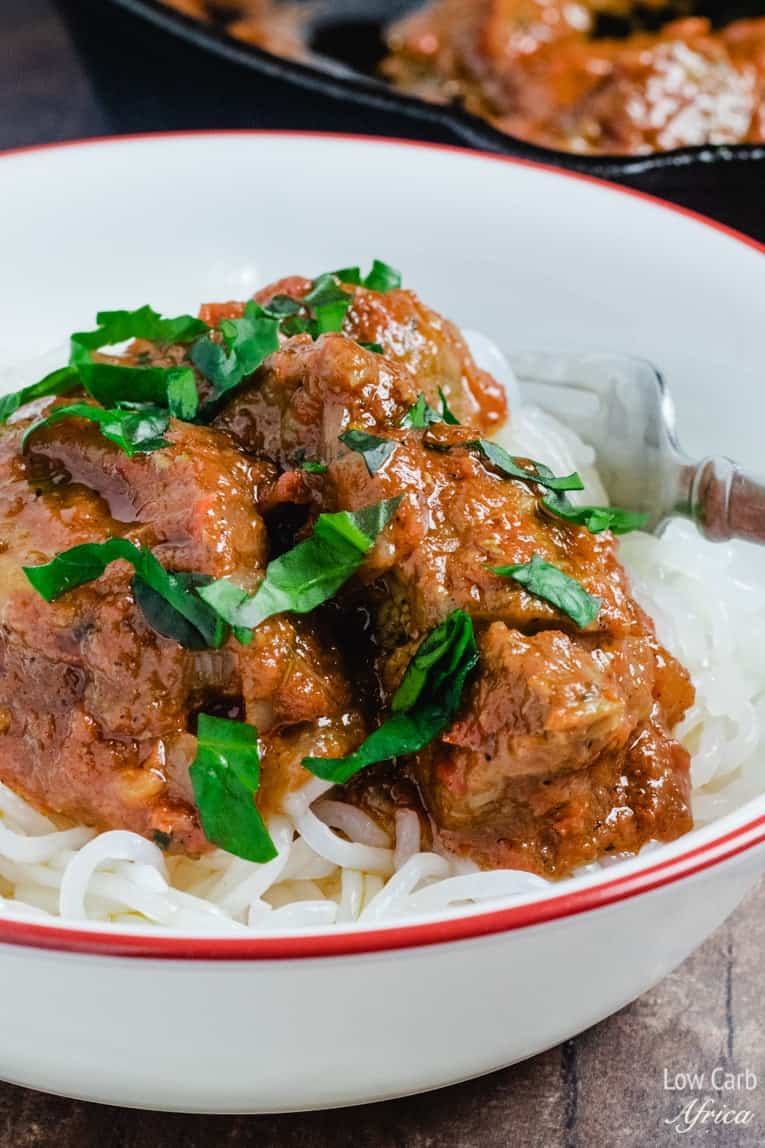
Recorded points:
(535, 257)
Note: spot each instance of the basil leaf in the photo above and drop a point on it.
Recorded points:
(398, 736)
(329, 317)
(382, 277)
(88, 562)
(58, 382)
(246, 343)
(110, 383)
(281, 306)
(420, 415)
(182, 394)
(310, 573)
(446, 415)
(136, 431)
(329, 304)
(251, 338)
(351, 275)
(324, 288)
(436, 662)
(596, 518)
(225, 776)
(298, 325)
(424, 704)
(145, 323)
(208, 633)
(374, 450)
(323, 309)
(541, 474)
(376, 347)
(548, 582)
(361, 526)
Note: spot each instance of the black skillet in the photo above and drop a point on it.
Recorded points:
(158, 69)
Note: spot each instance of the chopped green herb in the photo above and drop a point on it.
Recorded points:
(145, 323)
(182, 395)
(446, 415)
(299, 325)
(548, 582)
(281, 306)
(420, 415)
(596, 518)
(382, 277)
(310, 573)
(376, 347)
(540, 474)
(188, 619)
(374, 450)
(246, 343)
(328, 303)
(323, 309)
(424, 704)
(111, 383)
(330, 316)
(58, 382)
(162, 614)
(350, 275)
(136, 431)
(225, 776)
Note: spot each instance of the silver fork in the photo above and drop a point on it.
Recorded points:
(622, 407)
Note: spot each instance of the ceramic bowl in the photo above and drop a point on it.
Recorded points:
(534, 257)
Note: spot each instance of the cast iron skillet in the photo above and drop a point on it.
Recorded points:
(152, 63)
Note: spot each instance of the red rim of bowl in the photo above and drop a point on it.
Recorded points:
(479, 924)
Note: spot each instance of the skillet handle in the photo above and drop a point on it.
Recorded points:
(724, 501)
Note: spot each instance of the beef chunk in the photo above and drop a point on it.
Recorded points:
(307, 393)
(97, 709)
(548, 733)
(310, 392)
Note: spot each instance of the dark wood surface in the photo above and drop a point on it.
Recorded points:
(604, 1089)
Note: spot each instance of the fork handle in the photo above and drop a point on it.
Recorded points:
(723, 500)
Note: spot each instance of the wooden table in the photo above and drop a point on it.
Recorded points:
(604, 1089)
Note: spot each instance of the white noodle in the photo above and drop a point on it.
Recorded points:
(408, 836)
(301, 915)
(34, 850)
(345, 853)
(351, 893)
(417, 869)
(475, 887)
(20, 812)
(353, 822)
(257, 883)
(304, 862)
(116, 845)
